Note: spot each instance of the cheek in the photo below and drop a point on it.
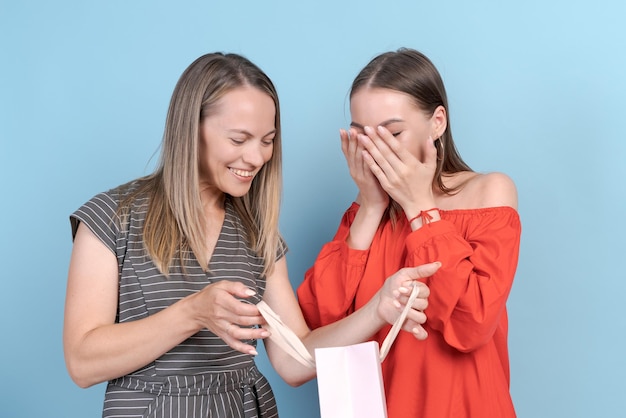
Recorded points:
(210, 157)
(202, 158)
(267, 153)
(204, 165)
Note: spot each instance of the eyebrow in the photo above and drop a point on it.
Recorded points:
(385, 123)
(249, 134)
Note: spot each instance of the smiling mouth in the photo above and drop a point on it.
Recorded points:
(242, 173)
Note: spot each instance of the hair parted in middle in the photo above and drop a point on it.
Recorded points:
(410, 72)
(175, 222)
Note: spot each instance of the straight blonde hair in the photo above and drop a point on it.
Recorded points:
(175, 222)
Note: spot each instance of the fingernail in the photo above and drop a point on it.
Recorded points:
(265, 334)
(250, 292)
(403, 289)
(396, 304)
(253, 352)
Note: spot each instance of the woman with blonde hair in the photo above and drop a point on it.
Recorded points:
(166, 270)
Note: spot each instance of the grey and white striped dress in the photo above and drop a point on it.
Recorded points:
(202, 376)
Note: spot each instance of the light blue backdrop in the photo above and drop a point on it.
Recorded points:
(537, 89)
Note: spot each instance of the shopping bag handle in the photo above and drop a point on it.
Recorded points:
(289, 341)
(285, 337)
(397, 325)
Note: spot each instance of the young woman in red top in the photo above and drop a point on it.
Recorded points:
(419, 202)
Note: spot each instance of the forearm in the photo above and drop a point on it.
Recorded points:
(326, 295)
(113, 350)
(353, 329)
(469, 292)
(364, 227)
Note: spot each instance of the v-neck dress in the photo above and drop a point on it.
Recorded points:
(202, 376)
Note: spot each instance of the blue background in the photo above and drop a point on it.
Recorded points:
(537, 90)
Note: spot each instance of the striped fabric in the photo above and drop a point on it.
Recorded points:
(202, 376)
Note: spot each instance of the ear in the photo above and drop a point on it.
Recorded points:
(439, 122)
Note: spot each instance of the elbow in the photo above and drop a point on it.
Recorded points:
(466, 348)
(468, 331)
(83, 384)
(79, 379)
(295, 381)
(296, 375)
(467, 342)
(77, 372)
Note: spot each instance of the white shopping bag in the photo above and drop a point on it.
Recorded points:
(350, 382)
(349, 378)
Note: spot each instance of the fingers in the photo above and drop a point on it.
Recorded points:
(421, 272)
(383, 147)
(345, 142)
(416, 317)
(236, 289)
(238, 336)
(230, 297)
(352, 151)
(240, 333)
(417, 330)
(377, 155)
(221, 310)
(421, 301)
(236, 342)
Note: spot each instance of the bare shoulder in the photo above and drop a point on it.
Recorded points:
(493, 189)
(480, 190)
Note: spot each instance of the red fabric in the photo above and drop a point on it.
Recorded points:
(462, 368)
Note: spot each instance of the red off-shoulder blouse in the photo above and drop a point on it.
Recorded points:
(462, 368)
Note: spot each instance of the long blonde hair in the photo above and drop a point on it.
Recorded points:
(175, 221)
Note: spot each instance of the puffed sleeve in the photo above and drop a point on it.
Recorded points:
(468, 293)
(329, 287)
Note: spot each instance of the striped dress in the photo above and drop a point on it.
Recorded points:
(202, 376)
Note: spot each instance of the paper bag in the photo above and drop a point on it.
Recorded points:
(349, 378)
(349, 381)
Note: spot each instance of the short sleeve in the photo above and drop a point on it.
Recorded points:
(100, 215)
(282, 248)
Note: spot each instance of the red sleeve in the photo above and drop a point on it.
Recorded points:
(329, 287)
(468, 293)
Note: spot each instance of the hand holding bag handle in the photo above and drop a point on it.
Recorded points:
(288, 341)
(284, 337)
(397, 325)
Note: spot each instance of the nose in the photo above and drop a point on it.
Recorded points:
(255, 154)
